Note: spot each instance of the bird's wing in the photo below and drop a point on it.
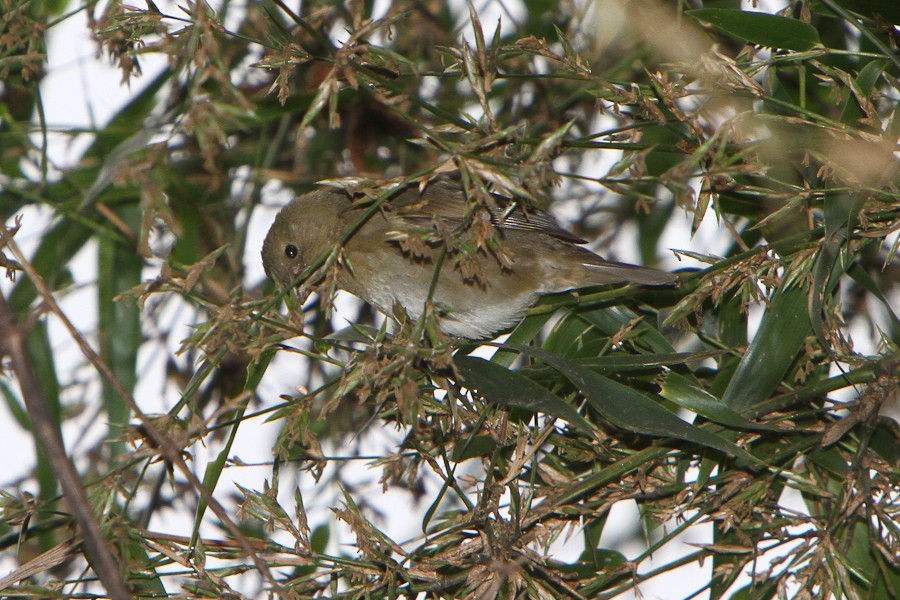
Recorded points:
(445, 199)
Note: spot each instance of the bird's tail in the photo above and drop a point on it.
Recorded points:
(617, 272)
(584, 269)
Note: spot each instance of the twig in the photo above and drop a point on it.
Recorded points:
(12, 343)
(168, 449)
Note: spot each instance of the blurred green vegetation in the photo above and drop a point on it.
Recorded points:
(781, 129)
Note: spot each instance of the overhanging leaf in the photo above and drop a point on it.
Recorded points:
(119, 270)
(763, 29)
(612, 319)
(780, 336)
(630, 362)
(630, 410)
(686, 395)
(214, 468)
(507, 388)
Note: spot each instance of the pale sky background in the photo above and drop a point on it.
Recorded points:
(82, 90)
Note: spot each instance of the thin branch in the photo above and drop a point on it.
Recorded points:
(99, 553)
(166, 446)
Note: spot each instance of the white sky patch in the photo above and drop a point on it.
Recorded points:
(768, 6)
(81, 90)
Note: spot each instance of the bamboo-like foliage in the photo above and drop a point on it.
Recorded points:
(640, 118)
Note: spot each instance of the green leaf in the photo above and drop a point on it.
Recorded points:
(214, 469)
(763, 29)
(780, 337)
(15, 406)
(507, 388)
(620, 361)
(650, 229)
(58, 246)
(886, 440)
(318, 541)
(759, 588)
(477, 445)
(682, 392)
(43, 360)
(864, 83)
(732, 325)
(833, 258)
(612, 319)
(355, 333)
(143, 577)
(862, 277)
(887, 11)
(573, 337)
(630, 410)
(118, 270)
(524, 332)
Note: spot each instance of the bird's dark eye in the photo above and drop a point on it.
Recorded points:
(291, 251)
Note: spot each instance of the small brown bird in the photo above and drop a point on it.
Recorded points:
(385, 266)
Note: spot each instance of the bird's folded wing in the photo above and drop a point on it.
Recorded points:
(445, 199)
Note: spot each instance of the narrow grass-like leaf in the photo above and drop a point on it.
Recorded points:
(862, 277)
(833, 259)
(611, 320)
(630, 410)
(507, 388)
(60, 243)
(477, 445)
(214, 469)
(524, 332)
(682, 392)
(759, 588)
(573, 337)
(15, 406)
(355, 333)
(864, 82)
(435, 505)
(143, 579)
(763, 29)
(780, 337)
(621, 361)
(44, 363)
(118, 270)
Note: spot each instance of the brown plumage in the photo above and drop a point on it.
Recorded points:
(536, 256)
